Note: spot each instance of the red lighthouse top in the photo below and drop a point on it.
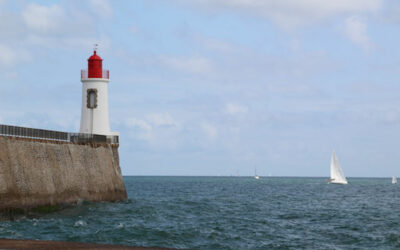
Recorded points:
(95, 68)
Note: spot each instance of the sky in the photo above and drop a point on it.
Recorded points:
(215, 87)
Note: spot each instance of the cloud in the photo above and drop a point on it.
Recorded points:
(69, 41)
(140, 129)
(392, 116)
(355, 29)
(234, 109)
(44, 19)
(45, 26)
(157, 129)
(209, 130)
(162, 120)
(290, 13)
(137, 123)
(57, 26)
(102, 8)
(7, 55)
(10, 56)
(198, 65)
(216, 45)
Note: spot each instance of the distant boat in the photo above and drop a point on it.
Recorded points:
(255, 174)
(394, 180)
(337, 176)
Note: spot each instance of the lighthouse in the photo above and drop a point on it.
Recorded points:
(94, 116)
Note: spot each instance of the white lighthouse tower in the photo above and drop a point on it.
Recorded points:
(94, 116)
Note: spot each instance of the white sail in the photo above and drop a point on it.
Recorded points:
(394, 180)
(337, 175)
(255, 174)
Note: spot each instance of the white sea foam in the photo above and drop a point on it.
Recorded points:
(79, 202)
(80, 223)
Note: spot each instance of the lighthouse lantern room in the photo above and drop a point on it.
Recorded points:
(94, 116)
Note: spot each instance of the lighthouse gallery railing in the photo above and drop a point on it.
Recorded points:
(43, 134)
(105, 74)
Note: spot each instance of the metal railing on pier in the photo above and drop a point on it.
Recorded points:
(86, 138)
(23, 132)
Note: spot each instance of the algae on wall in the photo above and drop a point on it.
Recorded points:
(37, 173)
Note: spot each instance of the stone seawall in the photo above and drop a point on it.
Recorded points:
(37, 173)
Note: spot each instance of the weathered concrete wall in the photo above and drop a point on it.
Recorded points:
(38, 173)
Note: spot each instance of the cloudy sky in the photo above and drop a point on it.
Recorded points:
(216, 87)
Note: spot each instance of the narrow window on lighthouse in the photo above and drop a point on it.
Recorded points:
(92, 98)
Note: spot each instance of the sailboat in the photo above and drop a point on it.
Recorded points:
(337, 176)
(255, 174)
(394, 180)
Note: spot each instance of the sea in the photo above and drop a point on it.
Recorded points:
(229, 213)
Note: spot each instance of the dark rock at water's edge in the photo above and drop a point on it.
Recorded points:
(41, 244)
(11, 214)
(39, 174)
